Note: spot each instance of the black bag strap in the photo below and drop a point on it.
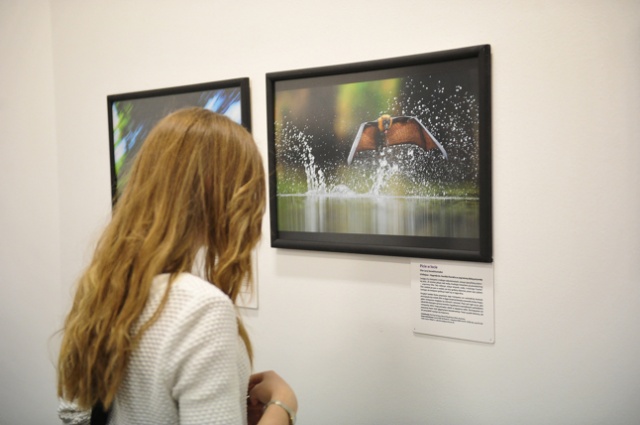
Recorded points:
(98, 415)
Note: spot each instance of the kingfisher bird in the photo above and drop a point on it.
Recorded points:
(389, 131)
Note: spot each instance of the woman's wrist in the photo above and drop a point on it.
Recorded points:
(287, 397)
(291, 413)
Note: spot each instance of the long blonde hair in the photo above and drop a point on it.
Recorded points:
(197, 182)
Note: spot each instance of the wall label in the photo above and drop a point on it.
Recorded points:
(453, 299)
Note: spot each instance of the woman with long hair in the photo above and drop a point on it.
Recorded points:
(150, 338)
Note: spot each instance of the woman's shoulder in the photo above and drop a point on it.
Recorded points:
(187, 284)
(192, 304)
(188, 290)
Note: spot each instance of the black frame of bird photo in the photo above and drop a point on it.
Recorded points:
(132, 115)
(385, 157)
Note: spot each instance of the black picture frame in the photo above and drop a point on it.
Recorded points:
(418, 185)
(132, 115)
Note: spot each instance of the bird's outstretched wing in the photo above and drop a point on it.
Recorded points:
(365, 139)
(410, 130)
(403, 130)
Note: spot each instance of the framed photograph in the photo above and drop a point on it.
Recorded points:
(133, 115)
(387, 157)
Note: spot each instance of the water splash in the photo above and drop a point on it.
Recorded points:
(297, 150)
(402, 170)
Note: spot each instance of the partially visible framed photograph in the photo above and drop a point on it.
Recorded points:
(387, 157)
(133, 115)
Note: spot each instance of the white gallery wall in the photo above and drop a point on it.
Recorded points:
(30, 284)
(566, 149)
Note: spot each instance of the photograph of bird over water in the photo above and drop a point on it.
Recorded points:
(375, 154)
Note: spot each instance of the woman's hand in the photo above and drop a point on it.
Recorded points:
(254, 412)
(263, 388)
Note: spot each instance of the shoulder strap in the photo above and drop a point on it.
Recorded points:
(98, 415)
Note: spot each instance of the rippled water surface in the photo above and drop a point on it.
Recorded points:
(384, 215)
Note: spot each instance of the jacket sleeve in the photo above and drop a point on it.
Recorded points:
(70, 414)
(202, 368)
